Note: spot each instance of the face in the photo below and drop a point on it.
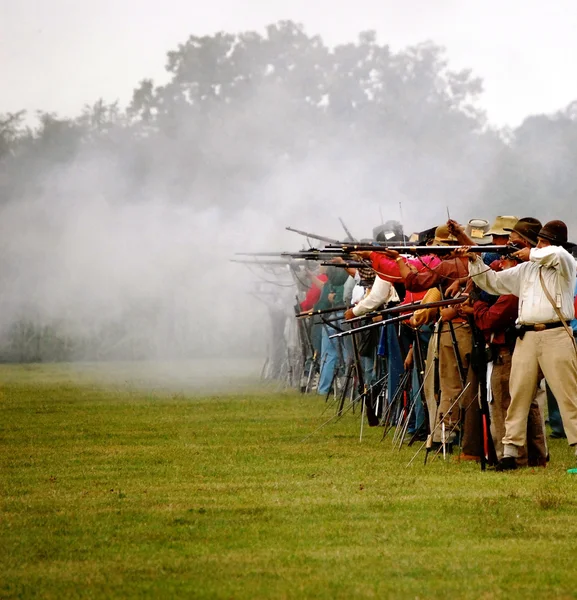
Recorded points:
(542, 243)
(517, 240)
(508, 263)
(500, 240)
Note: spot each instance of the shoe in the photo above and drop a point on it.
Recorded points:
(537, 462)
(507, 463)
(558, 436)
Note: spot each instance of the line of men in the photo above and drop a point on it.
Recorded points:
(520, 309)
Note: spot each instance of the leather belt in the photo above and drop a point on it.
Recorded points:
(540, 326)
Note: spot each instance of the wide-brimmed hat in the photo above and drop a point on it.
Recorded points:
(498, 227)
(528, 228)
(477, 230)
(426, 236)
(443, 237)
(556, 233)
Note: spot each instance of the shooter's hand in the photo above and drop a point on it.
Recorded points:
(466, 309)
(454, 228)
(409, 360)
(453, 289)
(522, 254)
(448, 313)
(390, 253)
(349, 314)
(464, 251)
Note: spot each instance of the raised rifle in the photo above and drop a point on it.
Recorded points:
(407, 308)
(347, 248)
(321, 311)
(313, 236)
(348, 264)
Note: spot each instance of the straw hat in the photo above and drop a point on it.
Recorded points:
(443, 237)
(498, 227)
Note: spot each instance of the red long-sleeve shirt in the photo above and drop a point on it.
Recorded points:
(388, 269)
(495, 319)
(441, 275)
(313, 294)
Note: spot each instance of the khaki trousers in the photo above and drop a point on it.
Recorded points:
(450, 380)
(536, 447)
(553, 352)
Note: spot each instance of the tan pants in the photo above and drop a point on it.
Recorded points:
(551, 350)
(451, 384)
(450, 380)
(536, 448)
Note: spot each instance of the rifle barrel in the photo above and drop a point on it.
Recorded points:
(350, 264)
(314, 236)
(354, 330)
(352, 248)
(410, 308)
(321, 311)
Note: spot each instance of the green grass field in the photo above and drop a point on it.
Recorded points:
(115, 491)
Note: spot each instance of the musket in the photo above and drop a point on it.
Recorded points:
(365, 327)
(266, 263)
(349, 264)
(408, 307)
(312, 254)
(346, 248)
(400, 308)
(314, 236)
(270, 254)
(321, 311)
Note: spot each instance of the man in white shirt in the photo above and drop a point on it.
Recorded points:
(381, 292)
(543, 344)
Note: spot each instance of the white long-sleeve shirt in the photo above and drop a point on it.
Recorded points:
(381, 292)
(559, 271)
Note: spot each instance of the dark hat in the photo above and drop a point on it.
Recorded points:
(528, 228)
(391, 231)
(426, 236)
(554, 232)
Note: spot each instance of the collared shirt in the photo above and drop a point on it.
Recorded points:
(388, 269)
(381, 292)
(558, 268)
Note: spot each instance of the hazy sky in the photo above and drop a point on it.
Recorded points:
(57, 55)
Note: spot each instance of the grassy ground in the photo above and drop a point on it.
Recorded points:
(116, 492)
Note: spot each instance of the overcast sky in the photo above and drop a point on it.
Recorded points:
(57, 55)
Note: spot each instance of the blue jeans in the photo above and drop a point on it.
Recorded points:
(330, 350)
(390, 348)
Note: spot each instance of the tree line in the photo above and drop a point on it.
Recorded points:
(237, 108)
